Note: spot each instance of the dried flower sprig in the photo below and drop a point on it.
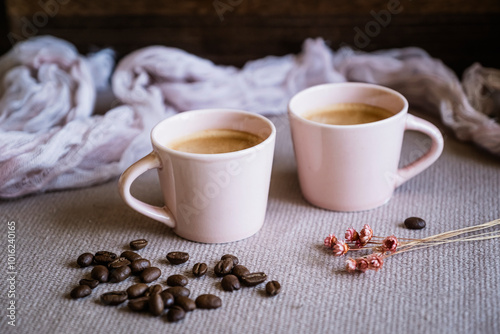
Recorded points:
(340, 248)
(356, 241)
(365, 235)
(384, 247)
(330, 240)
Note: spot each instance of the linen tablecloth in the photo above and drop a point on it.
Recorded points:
(444, 289)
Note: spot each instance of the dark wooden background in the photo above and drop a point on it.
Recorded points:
(459, 32)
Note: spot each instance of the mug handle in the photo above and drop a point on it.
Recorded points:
(419, 165)
(150, 161)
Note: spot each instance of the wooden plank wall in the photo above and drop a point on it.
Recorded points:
(459, 32)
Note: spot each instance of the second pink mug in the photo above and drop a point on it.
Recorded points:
(355, 167)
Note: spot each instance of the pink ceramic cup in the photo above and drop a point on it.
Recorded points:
(211, 198)
(355, 167)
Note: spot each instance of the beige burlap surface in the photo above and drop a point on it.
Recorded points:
(445, 289)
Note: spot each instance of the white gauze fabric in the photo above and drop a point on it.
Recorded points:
(50, 138)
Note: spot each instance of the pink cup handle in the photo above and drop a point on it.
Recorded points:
(419, 165)
(150, 161)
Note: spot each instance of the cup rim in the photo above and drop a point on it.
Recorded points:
(217, 156)
(398, 114)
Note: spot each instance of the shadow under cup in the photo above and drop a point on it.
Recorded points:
(215, 198)
(347, 167)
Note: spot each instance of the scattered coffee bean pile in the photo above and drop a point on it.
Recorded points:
(108, 267)
(233, 274)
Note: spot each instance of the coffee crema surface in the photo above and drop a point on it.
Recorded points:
(347, 114)
(215, 141)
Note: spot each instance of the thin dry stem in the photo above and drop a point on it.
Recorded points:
(454, 233)
(416, 247)
(444, 238)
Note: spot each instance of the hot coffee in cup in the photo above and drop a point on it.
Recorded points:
(347, 114)
(347, 139)
(215, 141)
(214, 168)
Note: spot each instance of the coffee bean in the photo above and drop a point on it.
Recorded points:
(273, 288)
(230, 283)
(114, 297)
(208, 301)
(177, 257)
(253, 279)
(176, 313)
(119, 262)
(120, 274)
(414, 223)
(178, 291)
(131, 256)
(100, 273)
(138, 244)
(224, 267)
(167, 297)
(85, 260)
(136, 290)
(153, 290)
(150, 274)
(80, 291)
(186, 303)
(230, 256)
(200, 269)
(139, 265)
(155, 304)
(91, 283)
(138, 304)
(177, 280)
(240, 270)
(104, 257)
